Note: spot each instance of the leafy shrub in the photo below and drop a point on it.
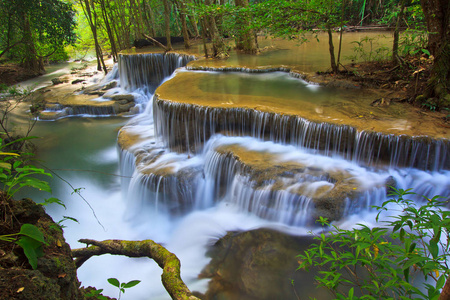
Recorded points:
(381, 262)
(14, 175)
(368, 49)
(413, 42)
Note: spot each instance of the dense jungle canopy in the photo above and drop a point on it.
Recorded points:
(33, 32)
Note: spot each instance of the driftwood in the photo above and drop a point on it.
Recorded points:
(168, 261)
(156, 42)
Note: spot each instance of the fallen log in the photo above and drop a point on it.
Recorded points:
(156, 42)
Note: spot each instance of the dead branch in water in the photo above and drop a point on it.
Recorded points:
(156, 42)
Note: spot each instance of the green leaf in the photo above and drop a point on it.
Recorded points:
(68, 218)
(406, 273)
(32, 249)
(131, 284)
(114, 282)
(5, 165)
(440, 283)
(402, 235)
(350, 293)
(37, 184)
(426, 52)
(52, 200)
(433, 248)
(32, 232)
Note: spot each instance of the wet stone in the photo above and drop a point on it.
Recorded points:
(122, 97)
(259, 265)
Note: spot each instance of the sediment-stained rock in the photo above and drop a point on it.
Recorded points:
(259, 265)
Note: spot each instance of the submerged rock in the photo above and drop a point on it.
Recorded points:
(120, 97)
(259, 265)
(291, 191)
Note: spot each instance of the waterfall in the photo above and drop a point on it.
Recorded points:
(186, 128)
(279, 167)
(148, 70)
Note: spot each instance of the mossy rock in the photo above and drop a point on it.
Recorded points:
(55, 276)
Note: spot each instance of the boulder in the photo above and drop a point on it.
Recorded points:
(110, 85)
(121, 97)
(258, 265)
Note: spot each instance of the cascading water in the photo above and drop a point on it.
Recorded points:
(194, 161)
(190, 173)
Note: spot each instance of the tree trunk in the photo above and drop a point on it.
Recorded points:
(184, 29)
(445, 294)
(395, 57)
(245, 39)
(109, 31)
(167, 23)
(437, 17)
(194, 25)
(436, 14)
(170, 264)
(93, 24)
(217, 40)
(31, 61)
(193, 21)
(205, 49)
(149, 18)
(341, 33)
(124, 29)
(156, 42)
(137, 15)
(334, 66)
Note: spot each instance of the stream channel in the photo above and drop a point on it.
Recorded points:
(227, 151)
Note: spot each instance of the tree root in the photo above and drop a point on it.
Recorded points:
(168, 261)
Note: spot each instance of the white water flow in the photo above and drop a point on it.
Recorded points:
(186, 200)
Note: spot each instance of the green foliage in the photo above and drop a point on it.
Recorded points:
(430, 104)
(13, 90)
(413, 15)
(29, 28)
(31, 239)
(65, 218)
(16, 174)
(96, 294)
(368, 49)
(381, 262)
(52, 200)
(413, 42)
(289, 19)
(122, 286)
